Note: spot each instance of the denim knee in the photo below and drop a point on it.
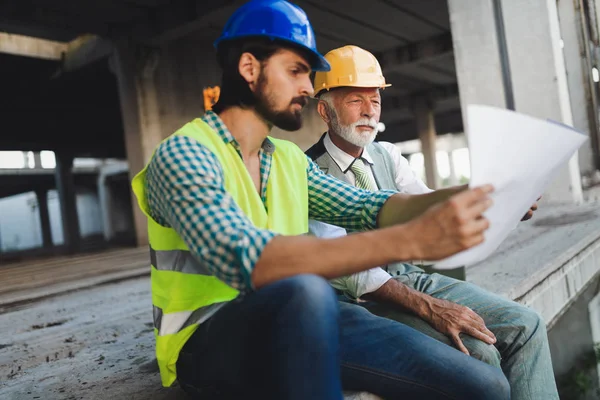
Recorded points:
(531, 323)
(490, 384)
(308, 295)
(488, 353)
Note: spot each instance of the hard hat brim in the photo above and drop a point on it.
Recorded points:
(316, 60)
(327, 89)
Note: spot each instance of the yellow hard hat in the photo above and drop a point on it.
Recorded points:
(350, 66)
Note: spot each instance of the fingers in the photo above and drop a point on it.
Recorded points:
(489, 334)
(472, 203)
(472, 233)
(476, 328)
(458, 342)
(477, 209)
(481, 333)
(527, 216)
(472, 196)
(479, 324)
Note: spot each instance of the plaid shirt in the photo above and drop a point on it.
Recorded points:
(185, 191)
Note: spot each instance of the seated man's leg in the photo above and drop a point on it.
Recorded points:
(477, 348)
(392, 360)
(520, 333)
(405, 273)
(280, 342)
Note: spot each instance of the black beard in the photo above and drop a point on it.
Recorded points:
(286, 120)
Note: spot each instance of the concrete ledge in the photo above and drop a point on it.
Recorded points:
(546, 262)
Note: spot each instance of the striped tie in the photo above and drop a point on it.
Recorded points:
(363, 181)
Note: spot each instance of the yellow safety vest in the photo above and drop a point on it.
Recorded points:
(184, 292)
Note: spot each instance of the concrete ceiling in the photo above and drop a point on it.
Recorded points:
(411, 38)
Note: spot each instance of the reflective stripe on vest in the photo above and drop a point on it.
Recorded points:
(178, 261)
(168, 324)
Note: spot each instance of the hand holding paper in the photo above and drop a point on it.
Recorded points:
(519, 155)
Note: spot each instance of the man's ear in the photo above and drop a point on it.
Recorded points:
(249, 68)
(323, 110)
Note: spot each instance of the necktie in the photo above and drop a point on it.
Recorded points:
(363, 180)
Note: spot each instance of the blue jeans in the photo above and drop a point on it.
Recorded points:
(293, 340)
(521, 349)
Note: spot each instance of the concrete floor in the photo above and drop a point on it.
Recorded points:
(96, 341)
(91, 344)
(37, 278)
(96, 344)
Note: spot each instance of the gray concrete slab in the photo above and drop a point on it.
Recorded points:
(92, 344)
(537, 247)
(97, 343)
(546, 261)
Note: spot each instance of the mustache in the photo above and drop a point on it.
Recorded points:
(370, 122)
(301, 100)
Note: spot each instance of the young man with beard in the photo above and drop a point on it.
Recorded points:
(493, 329)
(242, 304)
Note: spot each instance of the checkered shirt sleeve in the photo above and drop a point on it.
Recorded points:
(185, 191)
(336, 202)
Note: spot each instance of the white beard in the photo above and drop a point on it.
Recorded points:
(354, 136)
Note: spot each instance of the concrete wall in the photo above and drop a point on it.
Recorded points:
(186, 67)
(571, 341)
(20, 227)
(19, 223)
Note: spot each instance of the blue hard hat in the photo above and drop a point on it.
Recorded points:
(275, 19)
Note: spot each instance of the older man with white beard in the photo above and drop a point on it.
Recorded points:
(493, 329)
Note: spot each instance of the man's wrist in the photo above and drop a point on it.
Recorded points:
(423, 308)
(407, 247)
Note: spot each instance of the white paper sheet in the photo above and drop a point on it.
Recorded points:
(519, 155)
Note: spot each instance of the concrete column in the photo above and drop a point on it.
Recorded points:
(427, 134)
(453, 177)
(582, 92)
(42, 200)
(105, 200)
(68, 202)
(37, 159)
(508, 55)
(108, 199)
(135, 67)
(25, 159)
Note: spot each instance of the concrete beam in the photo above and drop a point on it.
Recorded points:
(436, 93)
(25, 46)
(181, 18)
(413, 53)
(85, 50)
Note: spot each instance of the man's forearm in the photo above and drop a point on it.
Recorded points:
(439, 232)
(400, 296)
(287, 256)
(401, 208)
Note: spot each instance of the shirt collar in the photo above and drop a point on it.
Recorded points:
(341, 158)
(213, 120)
